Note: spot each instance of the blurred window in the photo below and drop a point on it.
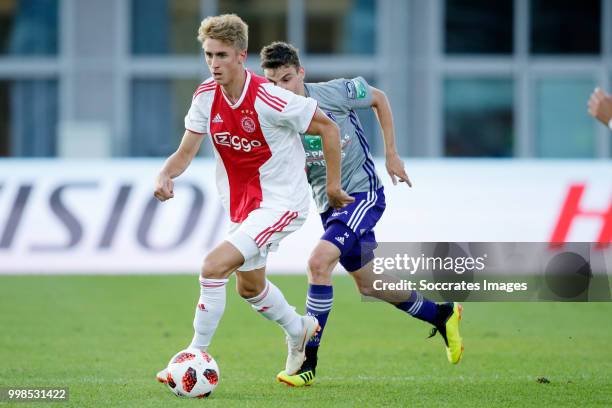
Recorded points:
(478, 117)
(29, 27)
(158, 110)
(340, 27)
(565, 26)
(28, 118)
(267, 20)
(478, 26)
(162, 27)
(564, 130)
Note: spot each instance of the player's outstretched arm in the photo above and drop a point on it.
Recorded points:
(330, 139)
(600, 107)
(176, 164)
(382, 109)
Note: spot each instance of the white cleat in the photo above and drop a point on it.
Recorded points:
(162, 376)
(297, 346)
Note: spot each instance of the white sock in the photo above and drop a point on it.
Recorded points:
(272, 305)
(208, 311)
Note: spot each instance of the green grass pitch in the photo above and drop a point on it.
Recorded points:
(105, 337)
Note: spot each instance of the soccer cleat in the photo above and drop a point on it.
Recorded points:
(449, 330)
(162, 376)
(296, 353)
(302, 378)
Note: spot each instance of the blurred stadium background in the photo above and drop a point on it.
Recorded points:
(466, 78)
(95, 92)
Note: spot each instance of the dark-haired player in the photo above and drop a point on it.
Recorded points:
(349, 232)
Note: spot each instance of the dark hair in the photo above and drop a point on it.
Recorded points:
(279, 54)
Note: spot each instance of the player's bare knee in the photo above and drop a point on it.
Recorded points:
(213, 269)
(319, 270)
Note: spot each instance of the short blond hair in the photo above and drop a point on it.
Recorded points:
(228, 28)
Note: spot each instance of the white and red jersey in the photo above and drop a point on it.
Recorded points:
(260, 157)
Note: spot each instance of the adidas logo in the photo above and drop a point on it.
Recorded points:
(340, 240)
(217, 119)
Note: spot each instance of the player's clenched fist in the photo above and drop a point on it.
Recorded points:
(164, 187)
(338, 198)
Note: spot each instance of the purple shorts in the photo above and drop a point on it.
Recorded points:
(351, 228)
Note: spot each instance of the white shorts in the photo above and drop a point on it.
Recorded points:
(261, 232)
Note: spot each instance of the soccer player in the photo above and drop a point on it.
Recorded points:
(600, 107)
(254, 127)
(349, 234)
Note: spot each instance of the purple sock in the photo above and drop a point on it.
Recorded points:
(318, 303)
(420, 307)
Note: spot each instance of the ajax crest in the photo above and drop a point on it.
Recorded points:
(248, 124)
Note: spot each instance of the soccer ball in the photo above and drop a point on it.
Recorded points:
(193, 374)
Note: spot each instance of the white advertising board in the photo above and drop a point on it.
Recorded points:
(59, 216)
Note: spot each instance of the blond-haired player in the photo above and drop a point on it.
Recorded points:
(254, 128)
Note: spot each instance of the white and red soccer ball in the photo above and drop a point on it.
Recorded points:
(193, 374)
